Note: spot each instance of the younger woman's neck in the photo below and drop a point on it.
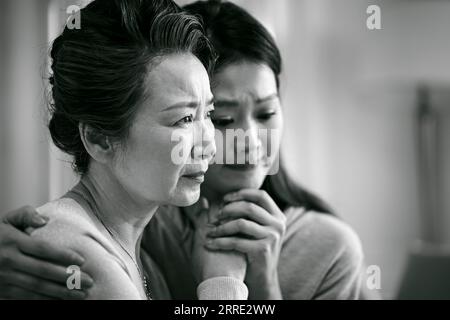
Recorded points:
(115, 207)
(212, 196)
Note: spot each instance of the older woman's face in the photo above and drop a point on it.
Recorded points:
(246, 98)
(177, 108)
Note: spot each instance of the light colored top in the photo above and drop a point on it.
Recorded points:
(72, 227)
(321, 256)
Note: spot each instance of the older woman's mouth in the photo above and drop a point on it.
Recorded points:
(198, 176)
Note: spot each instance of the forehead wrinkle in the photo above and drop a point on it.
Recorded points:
(177, 84)
(194, 88)
(240, 81)
(179, 88)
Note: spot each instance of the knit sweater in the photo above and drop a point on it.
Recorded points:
(73, 228)
(321, 256)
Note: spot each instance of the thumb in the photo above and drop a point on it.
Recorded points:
(24, 218)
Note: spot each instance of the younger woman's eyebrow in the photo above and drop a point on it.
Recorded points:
(226, 103)
(235, 103)
(267, 98)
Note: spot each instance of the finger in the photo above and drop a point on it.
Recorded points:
(259, 197)
(46, 251)
(47, 270)
(25, 217)
(241, 227)
(26, 246)
(22, 245)
(17, 293)
(44, 287)
(214, 214)
(242, 245)
(248, 210)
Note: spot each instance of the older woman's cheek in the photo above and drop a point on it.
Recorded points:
(228, 147)
(209, 142)
(220, 147)
(181, 144)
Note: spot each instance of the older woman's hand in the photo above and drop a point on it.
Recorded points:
(252, 223)
(207, 263)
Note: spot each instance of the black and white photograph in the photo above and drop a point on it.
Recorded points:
(224, 150)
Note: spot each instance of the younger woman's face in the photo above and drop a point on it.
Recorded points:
(171, 141)
(246, 104)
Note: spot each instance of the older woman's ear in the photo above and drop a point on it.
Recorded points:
(97, 144)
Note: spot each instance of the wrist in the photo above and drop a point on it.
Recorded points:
(219, 272)
(228, 264)
(265, 287)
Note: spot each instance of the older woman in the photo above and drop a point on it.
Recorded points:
(133, 76)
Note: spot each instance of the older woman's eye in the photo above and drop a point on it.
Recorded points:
(186, 120)
(222, 122)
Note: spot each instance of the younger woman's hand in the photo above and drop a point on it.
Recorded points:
(210, 264)
(33, 269)
(250, 222)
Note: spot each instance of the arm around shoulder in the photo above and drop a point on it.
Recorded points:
(111, 281)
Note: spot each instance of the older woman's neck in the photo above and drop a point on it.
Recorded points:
(119, 210)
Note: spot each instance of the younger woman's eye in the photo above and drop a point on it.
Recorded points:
(209, 114)
(186, 120)
(222, 122)
(266, 116)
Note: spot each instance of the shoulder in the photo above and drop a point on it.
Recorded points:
(322, 231)
(68, 223)
(65, 215)
(70, 227)
(327, 250)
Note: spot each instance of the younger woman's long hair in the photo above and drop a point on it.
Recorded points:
(237, 36)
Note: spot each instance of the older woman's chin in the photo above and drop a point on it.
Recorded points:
(185, 198)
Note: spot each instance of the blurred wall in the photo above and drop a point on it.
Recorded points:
(23, 140)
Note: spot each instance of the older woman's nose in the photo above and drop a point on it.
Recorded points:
(204, 143)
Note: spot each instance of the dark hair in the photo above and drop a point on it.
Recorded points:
(98, 71)
(237, 36)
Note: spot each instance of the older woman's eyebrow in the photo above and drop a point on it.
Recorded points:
(235, 103)
(188, 104)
